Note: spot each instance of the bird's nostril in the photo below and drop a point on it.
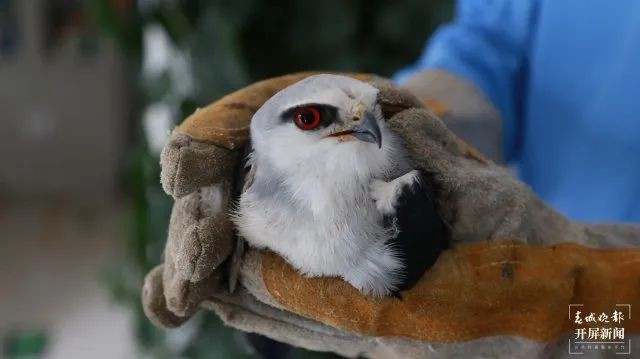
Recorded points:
(356, 118)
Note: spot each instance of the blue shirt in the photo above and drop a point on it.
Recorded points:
(564, 75)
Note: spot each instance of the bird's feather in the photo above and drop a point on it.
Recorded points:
(421, 232)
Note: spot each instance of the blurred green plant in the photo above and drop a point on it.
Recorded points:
(25, 344)
(187, 53)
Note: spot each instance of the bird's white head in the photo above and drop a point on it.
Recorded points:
(327, 122)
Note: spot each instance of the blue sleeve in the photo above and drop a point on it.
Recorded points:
(487, 43)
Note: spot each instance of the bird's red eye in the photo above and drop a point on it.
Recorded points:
(307, 118)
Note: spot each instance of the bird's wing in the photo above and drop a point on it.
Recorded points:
(421, 232)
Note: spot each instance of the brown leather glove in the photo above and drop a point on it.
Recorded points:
(497, 292)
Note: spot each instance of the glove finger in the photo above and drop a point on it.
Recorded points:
(200, 239)
(468, 186)
(154, 304)
(430, 142)
(200, 233)
(187, 164)
(183, 297)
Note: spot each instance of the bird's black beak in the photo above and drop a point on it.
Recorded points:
(366, 129)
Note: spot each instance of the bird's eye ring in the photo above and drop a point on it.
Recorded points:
(307, 118)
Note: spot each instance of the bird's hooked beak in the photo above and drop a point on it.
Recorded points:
(363, 126)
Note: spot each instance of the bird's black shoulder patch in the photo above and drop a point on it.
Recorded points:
(423, 234)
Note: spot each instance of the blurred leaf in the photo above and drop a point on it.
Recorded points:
(125, 27)
(25, 344)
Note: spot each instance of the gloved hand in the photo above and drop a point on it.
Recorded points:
(483, 297)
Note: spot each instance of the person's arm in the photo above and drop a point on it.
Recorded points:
(476, 66)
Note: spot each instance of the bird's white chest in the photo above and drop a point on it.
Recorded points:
(325, 233)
